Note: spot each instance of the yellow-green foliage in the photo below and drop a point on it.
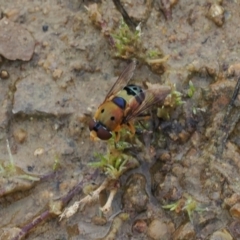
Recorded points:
(173, 100)
(187, 204)
(113, 163)
(153, 53)
(126, 42)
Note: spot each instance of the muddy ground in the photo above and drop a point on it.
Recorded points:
(57, 65)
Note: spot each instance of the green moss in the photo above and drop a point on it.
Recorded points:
(126, 42)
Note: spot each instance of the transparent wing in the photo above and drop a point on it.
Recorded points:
(152, 97)
(123, 79)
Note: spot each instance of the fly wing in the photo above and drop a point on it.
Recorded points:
(154, 95)
(123, 79)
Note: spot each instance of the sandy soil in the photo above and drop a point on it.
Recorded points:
(58, 64)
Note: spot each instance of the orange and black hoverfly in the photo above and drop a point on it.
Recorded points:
(123, 103)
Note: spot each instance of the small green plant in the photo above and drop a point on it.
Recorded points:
(187, 204)
(10, 170)
(56, 163)
(11, 166)
(15, 179)
(153, 54)
(173, 100)
(191, 90)
(194, 110)
(112, 164)
(163, 113)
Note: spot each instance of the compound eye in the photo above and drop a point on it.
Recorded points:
(91, 124)
(103, 133)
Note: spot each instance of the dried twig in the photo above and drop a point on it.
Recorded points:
(125, 15)
(48, 213)
(228, 122)
(68, 212)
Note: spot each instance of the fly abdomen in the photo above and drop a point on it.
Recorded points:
(135, 91)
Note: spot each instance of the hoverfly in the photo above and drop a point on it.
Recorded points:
(124, 103)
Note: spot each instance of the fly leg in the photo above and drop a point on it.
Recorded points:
(131, 128)
(117, 136)
(117, 133)
(93, 136)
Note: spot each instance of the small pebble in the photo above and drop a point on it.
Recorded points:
(234, 229)
(140, 226)
(216, 14)
(38, 152)
(57, 73)
(235, 210)
(158, 230)
(20, 135)
(233, 199)
(45, 11)
(185, 231)
(45, 28)
(234, 69)
(165, 156)
(135, 197)
(30, 168)
(4, 74)
(184, 136)
(12, 14)
(45, 44)
(100, 221)
(221, 235)
(36, 9)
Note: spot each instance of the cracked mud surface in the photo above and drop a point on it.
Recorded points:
(194, 156)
